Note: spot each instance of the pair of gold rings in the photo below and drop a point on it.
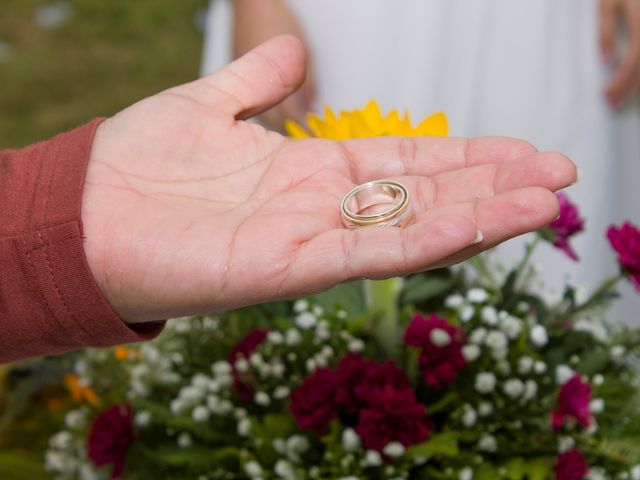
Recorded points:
(378, 203)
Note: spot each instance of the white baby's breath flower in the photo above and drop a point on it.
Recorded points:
(321, 360)
(310, 365)
(242, 365)
(635, 473)
(318, 310)
(200, 414)
(177, 406)
(525, 365)
(597, 381)
(256, 359)
(281, 392)
(300, 306)
(279, 445)
(511, 326)
(496, 340)
(285, 470)
(342, 314)
(485, 409)
(513, 387)
(538, 335)
(592, 429)
(488, 443)
(200, 380)
(75, 419)
(275, 337)
(355, 346)
(350, 440)
(297, 444)
(306, 320)
(278, 369)
(478, 335)
(596, 405)
(209, 323)
(470, 352)
(239, 413)
(142, 418)
(244, 427)
(617, 353)
(454, 301)
(372, 458)
(465, 474)
(439, 337)
(61, 440)
(469, 416)
(394, 450)
(485, 382)
(184, 440)
(596, 473)
(261, 398)
(502, 367)
(530, 390)
(563, 374)
(253, 468)
(539, 367)
(466, 313)
(499, 355)
(565, 443)
(489, 315)
(477, 295)
(293, 337)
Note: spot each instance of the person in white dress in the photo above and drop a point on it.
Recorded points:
(561, 74)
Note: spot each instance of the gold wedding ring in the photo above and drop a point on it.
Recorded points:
(381, 203)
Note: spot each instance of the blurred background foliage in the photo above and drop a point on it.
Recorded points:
(64, 62)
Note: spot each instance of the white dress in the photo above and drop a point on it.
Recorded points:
(528, 69)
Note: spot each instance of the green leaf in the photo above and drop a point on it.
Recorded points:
(443, 444)
(515, 468)
(346, 296)
(422, 288)
(539, 469)
(594, 362)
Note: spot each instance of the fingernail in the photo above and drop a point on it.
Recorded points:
(578, 176)
(479, 238)
(557, 218)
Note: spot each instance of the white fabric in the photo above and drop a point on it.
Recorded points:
(528, 69)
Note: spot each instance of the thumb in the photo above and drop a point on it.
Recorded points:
(256, 81)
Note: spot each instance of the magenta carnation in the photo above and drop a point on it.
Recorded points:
(626, 242)
(566, 225)
(313, 403)
(110, 437)
(441, 344)
(573, 402)
(571, 465)
(392, 415)
(243, 349)
(357, 380)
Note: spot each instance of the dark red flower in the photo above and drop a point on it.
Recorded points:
(313, 402)
(357, 379)
(441, 344)
(243, 349)
(110, 437)
(626, 241)
(573, 401)
(571, 465)
(568, 224)
(392, 415)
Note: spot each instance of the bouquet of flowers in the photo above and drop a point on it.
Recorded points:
(464, 373)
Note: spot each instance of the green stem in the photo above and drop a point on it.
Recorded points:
(381, 297)
(529, 249)
(607, 286)
(479, 264)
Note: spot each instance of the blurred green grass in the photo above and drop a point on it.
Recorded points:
(108, 55)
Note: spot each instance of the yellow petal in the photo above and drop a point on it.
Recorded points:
(294, 130)
(435, 125)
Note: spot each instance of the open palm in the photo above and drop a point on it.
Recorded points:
(188, 208)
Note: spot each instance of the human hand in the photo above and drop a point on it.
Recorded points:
(255, 22)
(189, 209)
(616, 14)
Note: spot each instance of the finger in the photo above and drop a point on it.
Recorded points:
(627, 76)
(383, 157)
(256, 81)
(506, 216)
(607, 27)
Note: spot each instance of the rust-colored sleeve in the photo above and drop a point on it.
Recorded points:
(49, 300)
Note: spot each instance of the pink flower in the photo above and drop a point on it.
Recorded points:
(441, 344)
(313, 403)
(392, 415)
(243, 349)
(567, 225)
(573, 401)
(357, 379)
(110, 437)
(571, 465)
(626, 241)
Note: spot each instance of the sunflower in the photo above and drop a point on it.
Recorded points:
(366, 122)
